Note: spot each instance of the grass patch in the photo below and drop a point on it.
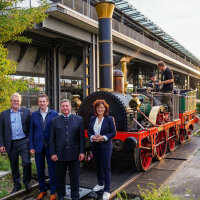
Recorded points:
(3, 193)
(122, 195)
(5, 186)
(153, 193)
(6, 183)
(4, 163)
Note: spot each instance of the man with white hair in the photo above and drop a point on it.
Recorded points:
(14, 129)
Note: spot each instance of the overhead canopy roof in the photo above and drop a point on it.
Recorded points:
(129, 10)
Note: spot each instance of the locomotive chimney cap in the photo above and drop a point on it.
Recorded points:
(118, 73)
(104, 9)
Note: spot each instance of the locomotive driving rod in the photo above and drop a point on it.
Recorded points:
(146, 117)
(138, 123)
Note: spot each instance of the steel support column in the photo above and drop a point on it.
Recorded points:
(90, 66)
(188, 82)
(57, 80)
(93, 61)
(49, 77)
(52, 78)
(86, 65)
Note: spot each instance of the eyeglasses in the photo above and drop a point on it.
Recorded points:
(16, 101)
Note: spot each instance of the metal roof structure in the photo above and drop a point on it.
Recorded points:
(129, 10)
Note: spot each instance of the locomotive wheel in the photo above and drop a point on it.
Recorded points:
(182, 135)
(189, 132)
(172, 140)
(142, 156)
(161, 145)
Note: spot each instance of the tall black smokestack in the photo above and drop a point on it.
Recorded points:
(105, 11)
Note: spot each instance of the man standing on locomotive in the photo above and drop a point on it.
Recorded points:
(167, 84)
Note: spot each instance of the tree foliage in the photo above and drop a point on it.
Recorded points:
(13, 22)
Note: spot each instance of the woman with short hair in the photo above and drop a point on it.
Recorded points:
(101, 131)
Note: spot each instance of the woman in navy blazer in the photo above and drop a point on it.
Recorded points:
(101, 131)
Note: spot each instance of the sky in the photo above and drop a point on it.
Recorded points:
(179, 18)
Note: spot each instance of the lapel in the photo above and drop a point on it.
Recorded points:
(39, 119)
(93, 122)
(103, 124)
(8, 119)
(22, 115)
(44, 123)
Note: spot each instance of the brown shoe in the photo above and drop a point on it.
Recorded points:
(41, 195)
(53, 197)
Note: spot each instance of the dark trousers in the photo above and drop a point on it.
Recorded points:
(40, 164)
(102, 159)
(61, 169)
(20, 148)
(167, 99)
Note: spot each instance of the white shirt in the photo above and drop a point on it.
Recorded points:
(97, 126)
(97, 129)
(44, 114)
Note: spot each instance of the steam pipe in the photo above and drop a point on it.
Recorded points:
(124, 70)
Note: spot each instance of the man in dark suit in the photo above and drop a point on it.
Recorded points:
(14, 130)
(39, 145)
(67, 148)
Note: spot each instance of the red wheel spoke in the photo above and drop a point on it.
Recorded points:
(161, 148)
(145, 158)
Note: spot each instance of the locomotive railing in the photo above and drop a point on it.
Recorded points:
(174, 100)
(175, 103)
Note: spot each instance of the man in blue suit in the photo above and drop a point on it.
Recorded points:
(39, 145)
(14, 130)
(67, 145)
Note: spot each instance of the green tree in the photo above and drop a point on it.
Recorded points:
(13, 22)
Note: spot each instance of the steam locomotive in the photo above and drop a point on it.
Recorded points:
(142, 122)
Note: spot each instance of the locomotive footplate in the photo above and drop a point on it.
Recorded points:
(121, 171)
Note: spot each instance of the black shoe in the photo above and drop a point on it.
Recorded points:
(27, 187)
(15, 189)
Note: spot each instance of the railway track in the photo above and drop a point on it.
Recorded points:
(123, 175)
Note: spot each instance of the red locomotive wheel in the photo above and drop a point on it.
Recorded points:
(189, 132)
(172, 140)
(143, 156)
(161, 145)
(182, 135)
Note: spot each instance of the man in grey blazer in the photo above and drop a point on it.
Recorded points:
(67, 148)
(14, 129)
